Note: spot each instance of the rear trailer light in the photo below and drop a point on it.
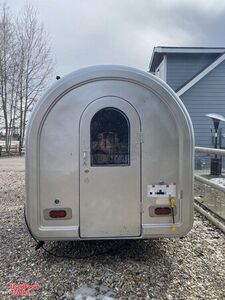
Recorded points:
(57, 214)
(163, 211)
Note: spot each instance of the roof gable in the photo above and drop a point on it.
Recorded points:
(202, 74)
(181, 68)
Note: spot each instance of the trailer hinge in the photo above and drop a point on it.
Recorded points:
(141, 137)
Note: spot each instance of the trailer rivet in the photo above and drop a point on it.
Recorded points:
(57, 201)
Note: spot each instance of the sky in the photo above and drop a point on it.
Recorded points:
(92, 32)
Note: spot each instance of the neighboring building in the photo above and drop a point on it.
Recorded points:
(197, 75)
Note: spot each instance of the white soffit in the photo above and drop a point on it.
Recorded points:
(184, 50)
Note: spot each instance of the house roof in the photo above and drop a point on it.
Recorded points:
(160, 51)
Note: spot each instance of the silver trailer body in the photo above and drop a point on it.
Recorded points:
(108, 148)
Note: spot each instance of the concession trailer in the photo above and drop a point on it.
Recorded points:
(109, 155)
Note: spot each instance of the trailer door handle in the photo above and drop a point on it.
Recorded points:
(84, 158)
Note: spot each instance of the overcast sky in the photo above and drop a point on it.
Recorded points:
(90, 32)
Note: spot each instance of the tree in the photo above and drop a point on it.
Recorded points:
(25, 66)
(35, 65)
(8, 70)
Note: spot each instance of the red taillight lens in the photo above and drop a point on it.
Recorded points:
(57, 214)
(163, 211)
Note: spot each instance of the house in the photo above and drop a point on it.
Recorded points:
(197, 75)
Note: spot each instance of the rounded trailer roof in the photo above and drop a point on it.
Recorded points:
(110, 72)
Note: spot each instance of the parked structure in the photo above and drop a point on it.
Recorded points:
(109, 154)
(197, 75)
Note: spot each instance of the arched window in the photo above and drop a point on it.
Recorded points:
(110, 138)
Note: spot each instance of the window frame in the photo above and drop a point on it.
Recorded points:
(126, 119)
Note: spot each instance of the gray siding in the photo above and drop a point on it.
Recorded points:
(206, 96)
(182, 67)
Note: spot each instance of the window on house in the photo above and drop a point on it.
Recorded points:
(110, 134)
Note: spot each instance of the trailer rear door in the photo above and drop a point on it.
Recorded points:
(110, 166)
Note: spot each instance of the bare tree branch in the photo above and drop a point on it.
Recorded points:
(25, 66)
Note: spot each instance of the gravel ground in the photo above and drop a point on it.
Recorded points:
(189, 268)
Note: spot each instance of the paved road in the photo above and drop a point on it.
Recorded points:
(12, 163)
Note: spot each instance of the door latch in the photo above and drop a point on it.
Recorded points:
(85, 158)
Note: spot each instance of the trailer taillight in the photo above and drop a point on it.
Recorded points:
(163, 211)
(57, 214)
